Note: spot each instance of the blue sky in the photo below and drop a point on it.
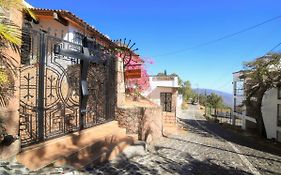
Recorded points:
(160, 27)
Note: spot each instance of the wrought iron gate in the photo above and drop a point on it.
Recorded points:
(166, 101)
(50, 94)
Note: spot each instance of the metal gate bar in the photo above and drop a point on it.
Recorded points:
(49, 91)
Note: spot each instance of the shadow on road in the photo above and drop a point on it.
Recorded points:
(186, 164)
(203, 128)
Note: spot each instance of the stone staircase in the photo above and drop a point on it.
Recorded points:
(170, 124)
(169, 119)
(96, 144)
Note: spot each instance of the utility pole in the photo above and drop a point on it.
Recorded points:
(197, 87)
(205, 94)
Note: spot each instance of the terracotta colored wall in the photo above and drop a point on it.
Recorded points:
(146, 122)
(53, 27)
(10, 113)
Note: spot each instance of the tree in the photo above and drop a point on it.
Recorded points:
(260, 75)
(203, 99)
(184, 86)
(10, 37)
(10, 33)
(214, 101)
(187, 91)
(138, 84)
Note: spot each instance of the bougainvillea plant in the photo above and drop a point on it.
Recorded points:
(138, 84)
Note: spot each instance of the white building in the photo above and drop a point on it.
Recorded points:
(271, 112)
(164, 91)
(271, 108)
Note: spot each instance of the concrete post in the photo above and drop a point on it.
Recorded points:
(120, 82)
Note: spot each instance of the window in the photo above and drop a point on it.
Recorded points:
(77, 38)
(239, 88)
(279, 115)
(279, 92)
(166, 101)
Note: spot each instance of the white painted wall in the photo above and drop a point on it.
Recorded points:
(154, 95)
(154, 83)
(179, 104)
(238, 98)
(157, 86)
(269, 112)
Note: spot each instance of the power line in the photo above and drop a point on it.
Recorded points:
(225, 84)
(228, 83)
(221, 38)
(275, 47)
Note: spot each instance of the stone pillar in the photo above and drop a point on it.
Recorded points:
(10, 113)
(120, 82)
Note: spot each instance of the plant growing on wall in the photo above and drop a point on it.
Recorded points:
(141, 83)
(6, 86)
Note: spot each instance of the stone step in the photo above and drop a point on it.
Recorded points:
(166, 125)
(169, 122)
(135, 136)
(102, 150)
(170, 118)
(94, 139)
(136, 149)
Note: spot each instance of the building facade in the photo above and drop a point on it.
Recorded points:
(271, 108)
(163, 90)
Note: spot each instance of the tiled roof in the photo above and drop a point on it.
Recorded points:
(75, 18)
(78, 20)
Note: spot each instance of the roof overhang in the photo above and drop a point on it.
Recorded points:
(174, 87)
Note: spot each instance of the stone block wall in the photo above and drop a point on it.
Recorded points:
(146, 122)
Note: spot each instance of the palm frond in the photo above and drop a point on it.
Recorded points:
(10, 33)
(18, 5)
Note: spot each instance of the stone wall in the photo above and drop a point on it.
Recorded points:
(146, 122)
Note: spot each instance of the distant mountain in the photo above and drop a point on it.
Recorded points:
(227, 97)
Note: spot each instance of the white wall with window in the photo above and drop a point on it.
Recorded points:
(163, 85)
(271, 111)
(238, 93)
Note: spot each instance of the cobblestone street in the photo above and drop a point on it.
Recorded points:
(204, 148)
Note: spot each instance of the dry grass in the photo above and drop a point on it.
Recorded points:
(184, 106)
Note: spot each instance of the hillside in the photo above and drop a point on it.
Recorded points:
(227, 97)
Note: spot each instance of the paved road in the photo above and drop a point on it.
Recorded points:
(205, 148)
(229, 150)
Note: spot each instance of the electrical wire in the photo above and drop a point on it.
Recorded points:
(275, 47)
(220, 38)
